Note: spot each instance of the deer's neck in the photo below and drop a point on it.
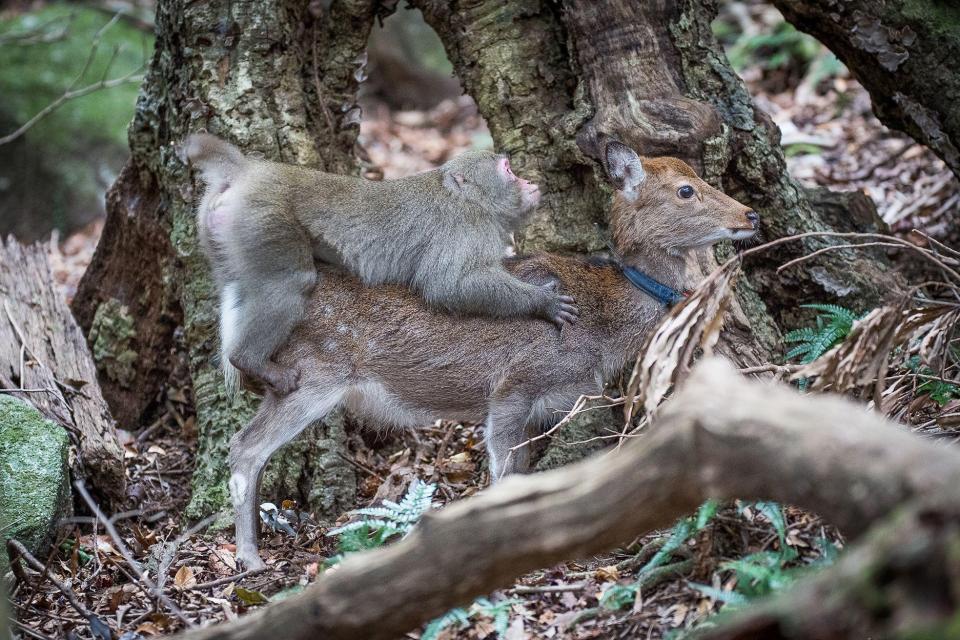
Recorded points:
(669, 269)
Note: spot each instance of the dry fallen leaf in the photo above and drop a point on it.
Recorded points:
(608, 573)
(185, 578)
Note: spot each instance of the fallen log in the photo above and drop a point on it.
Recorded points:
(720, 437)
(44, 359)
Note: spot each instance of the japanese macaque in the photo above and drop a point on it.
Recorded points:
(384, 354)
(442, 233)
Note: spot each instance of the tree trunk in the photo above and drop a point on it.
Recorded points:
(907, 55)
(280, 79)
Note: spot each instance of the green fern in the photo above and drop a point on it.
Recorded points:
(499, 611)
(377, 525)
(458, 616)
(833, 325)
(619, 596)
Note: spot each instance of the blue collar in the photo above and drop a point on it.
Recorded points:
(660, 292)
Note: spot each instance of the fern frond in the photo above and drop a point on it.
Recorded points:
(800, 335)
(799, 350)
(393, 518)
(832, 309)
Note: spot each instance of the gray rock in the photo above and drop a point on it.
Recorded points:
(34, 477)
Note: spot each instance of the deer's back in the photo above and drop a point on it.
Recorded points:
(429, 358)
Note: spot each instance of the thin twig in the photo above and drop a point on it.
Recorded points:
(835, 247)
(359, 465)
(21, 552)
(549, 588)
(227, 580)
(780, 369)
(125, 552)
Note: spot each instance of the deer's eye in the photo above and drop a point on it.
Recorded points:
(686, 192)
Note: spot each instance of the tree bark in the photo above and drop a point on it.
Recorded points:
(907, 55)
(43, 350)
(823, 453)
(280, 79)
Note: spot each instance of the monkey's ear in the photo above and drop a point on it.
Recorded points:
(625, 169)
(453, 181)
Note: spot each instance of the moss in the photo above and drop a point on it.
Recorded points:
(112, 336)
(940, 17)
(34, 478)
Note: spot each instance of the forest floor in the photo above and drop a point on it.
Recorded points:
(831, 139)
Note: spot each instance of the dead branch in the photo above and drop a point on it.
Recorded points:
(721, 437)
(44, 354)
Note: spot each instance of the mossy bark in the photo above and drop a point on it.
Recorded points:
(907, 55)
(279, 78)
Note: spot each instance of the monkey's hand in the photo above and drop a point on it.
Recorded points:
(559, 309)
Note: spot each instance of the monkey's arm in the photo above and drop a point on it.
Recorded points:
(491, 291)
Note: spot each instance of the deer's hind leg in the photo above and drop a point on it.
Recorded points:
(278, 421)
(509, 424)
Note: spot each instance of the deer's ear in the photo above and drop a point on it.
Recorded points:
(625, 169)
(453, 181)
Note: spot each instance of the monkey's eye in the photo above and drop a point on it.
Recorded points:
(686, 192)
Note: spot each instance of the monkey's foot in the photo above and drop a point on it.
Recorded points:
(280, 380)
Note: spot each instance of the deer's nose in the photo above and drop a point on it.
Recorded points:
(753, 217)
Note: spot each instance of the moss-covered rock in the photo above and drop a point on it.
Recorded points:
(34, 476)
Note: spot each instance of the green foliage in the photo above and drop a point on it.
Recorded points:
(939, 391)
(33, 75)
(757, 574)
(832, 326)
(783, 47)
(377, 525)
(766, 572)
(620, 596)
(498, 611)
(458, 616)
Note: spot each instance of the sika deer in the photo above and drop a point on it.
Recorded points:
(385, 355)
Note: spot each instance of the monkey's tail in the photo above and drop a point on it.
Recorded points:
(217, 160)
(229, 323)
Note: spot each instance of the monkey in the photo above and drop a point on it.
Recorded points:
(443, 233)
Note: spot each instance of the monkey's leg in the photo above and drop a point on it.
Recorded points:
(272, 292)
(278, 421)
(508, 425)
(494, 292)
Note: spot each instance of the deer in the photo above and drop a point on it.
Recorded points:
(390, 358)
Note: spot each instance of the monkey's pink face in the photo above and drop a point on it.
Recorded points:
(529, 192)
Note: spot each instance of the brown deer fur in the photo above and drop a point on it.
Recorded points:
(385, 354)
